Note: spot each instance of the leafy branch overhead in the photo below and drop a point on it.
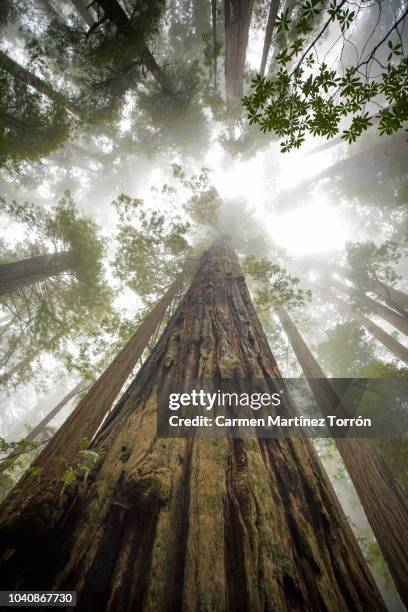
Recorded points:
(313, 94)
(274, 286)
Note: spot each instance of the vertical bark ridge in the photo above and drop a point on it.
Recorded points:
(205, 521)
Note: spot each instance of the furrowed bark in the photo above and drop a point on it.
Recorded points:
(395, 347)
(237, 22)
(379, 493)
(140, 533)
(273, 13)
(19, 274)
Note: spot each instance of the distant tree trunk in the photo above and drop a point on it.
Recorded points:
(387, 148)
(215, 41)
(115, 13)
(281, 41)
(140, 533)
(395, 347)
(19, 274)
(273, 13)
(381, 497)
(83, 12)
(237, 22)
(395, 298)
(25, 76)
(385, 312)
(39, 428)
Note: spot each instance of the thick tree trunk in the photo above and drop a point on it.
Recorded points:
(25, 76)
(237, 22)
(140, 533)
(381, 497)
(395, 347)
(385, 312)
(19, 274)
(273, 13)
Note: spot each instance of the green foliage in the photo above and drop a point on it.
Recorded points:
(31, 125)
(275, 286)
(48, 314)
(152, 247)
(204, 203)
(81, 468)
(346, 351)
(371, 263)
(306, 96)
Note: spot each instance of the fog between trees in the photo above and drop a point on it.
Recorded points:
(126, 150)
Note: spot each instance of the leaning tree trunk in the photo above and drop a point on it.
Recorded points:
(379, 493)
(395, 347)
(23, 75)
(39, 428)
(115, 13)
(140, 533)
(88, 415)
(378, 153)
(237, 21)
(273, 13)
(385, 312)
(395, 298)
(20, 429)
(19, 274)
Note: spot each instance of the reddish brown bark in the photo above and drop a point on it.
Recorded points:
(19, 274)
(379, 493)
(237, 22)
(140, 534)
